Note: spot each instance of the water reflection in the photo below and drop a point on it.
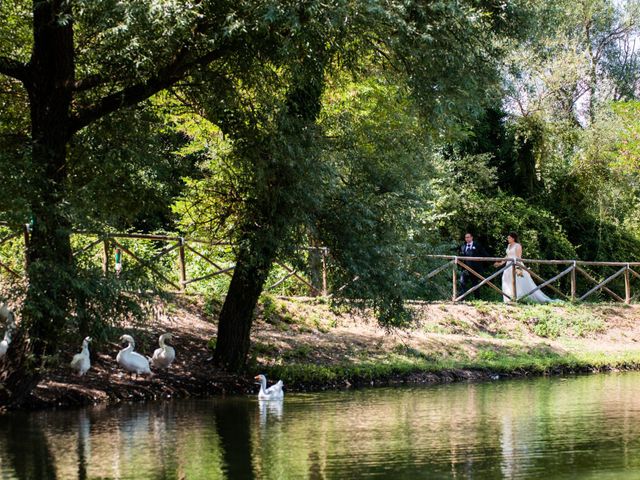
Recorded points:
(234, 431)
(28, 454)
(84, 446)
(578, 428)
(270, 409)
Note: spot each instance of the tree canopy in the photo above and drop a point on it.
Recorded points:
(380, 129)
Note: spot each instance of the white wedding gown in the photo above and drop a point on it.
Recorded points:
(524, 283)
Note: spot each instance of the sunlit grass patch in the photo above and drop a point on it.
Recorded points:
(552, 322)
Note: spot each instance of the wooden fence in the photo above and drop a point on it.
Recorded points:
(570, 268)
(114, 250)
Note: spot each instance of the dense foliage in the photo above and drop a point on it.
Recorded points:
(381, 130)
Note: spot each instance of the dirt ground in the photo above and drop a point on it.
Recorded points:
(309, 331)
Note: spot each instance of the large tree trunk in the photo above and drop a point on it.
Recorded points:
(50, 260)
(276, 213)
(237, 315)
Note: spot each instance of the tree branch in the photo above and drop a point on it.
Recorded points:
(13, 68)
(134, 94)
(88, 82)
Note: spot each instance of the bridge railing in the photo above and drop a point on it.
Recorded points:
(184, 263)
(178, 262)
(585, 278)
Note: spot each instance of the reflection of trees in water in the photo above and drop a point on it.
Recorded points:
(136, 441)
(272, 450)
(315, 468)
(131, 441)
(578, 425)
(25, 448)
(163, 432)
(499, 430)
(233, 427)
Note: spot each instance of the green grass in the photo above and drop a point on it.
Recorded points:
(264, 349)
(516, 353)
(298, 353)
(552, 322)
(404, 362)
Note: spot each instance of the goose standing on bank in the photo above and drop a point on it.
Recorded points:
(81, 361)
(274, 392)
(164, 356)
(132, 361)
(11, 326)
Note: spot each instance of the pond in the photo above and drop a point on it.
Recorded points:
(553, 428)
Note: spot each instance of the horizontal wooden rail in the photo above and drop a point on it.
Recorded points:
(589, 282)
(537, 260)
(624, 270)
(117, 240)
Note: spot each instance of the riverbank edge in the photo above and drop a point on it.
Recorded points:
(313, 378)
(318, 377)
(310, 347)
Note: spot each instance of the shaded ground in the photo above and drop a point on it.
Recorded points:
(446, 342)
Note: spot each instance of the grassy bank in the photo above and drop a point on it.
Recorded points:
(312, 346)
(447, 342)
(400, 369)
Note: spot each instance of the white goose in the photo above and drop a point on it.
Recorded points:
(274, 392)
(11, 326)
(132, 361)
(81, 361)
(164, 356)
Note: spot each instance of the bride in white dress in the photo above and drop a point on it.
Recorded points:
(524, 282)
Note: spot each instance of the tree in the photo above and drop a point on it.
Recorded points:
(442, 53)
(555, 136)
(72, 64)
(582, 55)
(272, 165)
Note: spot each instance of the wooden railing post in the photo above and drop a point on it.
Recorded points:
(514, 288)
(627, 286)
(454, 279)
(182, 266)
(26, 230)
(105, 256)
(324, 272)
(573, 282)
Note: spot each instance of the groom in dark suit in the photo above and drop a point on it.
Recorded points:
(471, 248)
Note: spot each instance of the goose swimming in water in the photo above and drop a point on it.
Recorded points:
(274, 392)
(132, 361)
(81, 361)
(164, 356)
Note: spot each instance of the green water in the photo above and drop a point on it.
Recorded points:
(585, 427)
